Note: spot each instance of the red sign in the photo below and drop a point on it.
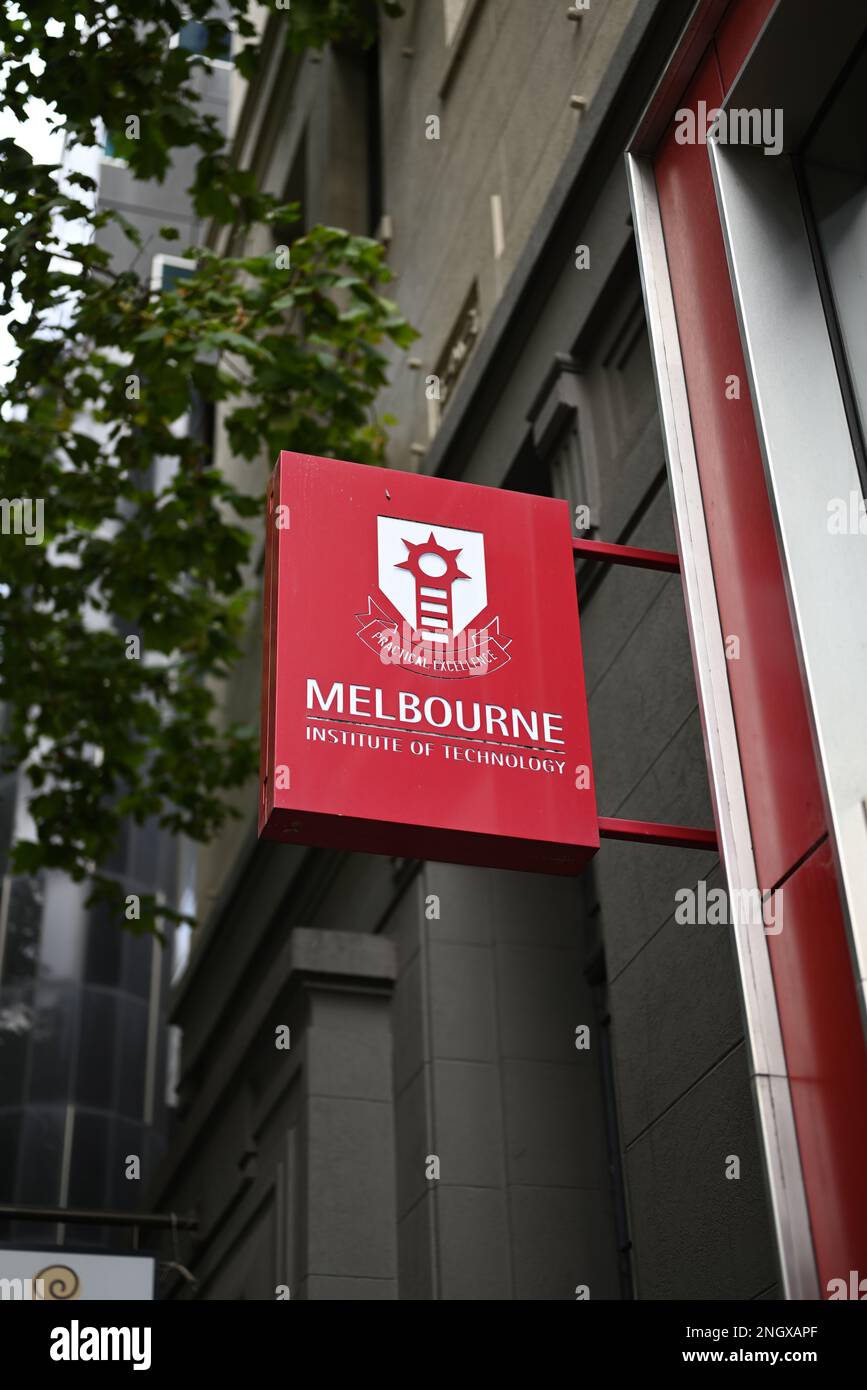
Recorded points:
(423, 690)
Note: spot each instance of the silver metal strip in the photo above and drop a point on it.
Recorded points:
(809, 464)
(767, 1062)
(154, 1030)
(65, 1168)
(5, 895)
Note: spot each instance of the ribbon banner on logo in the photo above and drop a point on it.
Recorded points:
(473, 652)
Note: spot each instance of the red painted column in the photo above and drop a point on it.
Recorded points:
(814, 981)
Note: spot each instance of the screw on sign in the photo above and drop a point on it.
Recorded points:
(425, 696)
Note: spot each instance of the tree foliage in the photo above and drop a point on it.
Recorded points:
(143, 536)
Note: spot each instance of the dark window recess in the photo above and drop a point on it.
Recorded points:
(295, 191)
(137, 952)
(128, 1141)
(454, 356)
(109, 145)
(202, 419)
(104, 947)
(528, 474)
(195, 38)
(116, 861)
(375, 198)
(10, 1123)
(16, 1027)
(24, 923)
(171, 275)
(351, 147)
(124, 629)
(97, 1050)
(40, 1155)
(131, 1060)
(555, 420)
(8, 788)
(152, 1147)
(145, 843)
(32, 1234)
(51, 1044)
(88, 1173)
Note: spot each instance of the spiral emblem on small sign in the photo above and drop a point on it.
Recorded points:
(58, 1282)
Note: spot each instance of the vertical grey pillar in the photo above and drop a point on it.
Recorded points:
(504, 1190)
(342, 1203)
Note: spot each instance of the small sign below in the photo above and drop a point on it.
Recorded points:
(65, 1276)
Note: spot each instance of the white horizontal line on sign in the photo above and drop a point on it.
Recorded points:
(434, 608)
(433, 593)
(435, 622)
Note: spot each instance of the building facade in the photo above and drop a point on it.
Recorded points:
(380, 1092)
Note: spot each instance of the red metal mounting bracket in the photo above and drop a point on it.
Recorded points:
(644, 831)
(628, 555)
(652, 833)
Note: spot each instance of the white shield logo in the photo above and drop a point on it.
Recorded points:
(433, 575)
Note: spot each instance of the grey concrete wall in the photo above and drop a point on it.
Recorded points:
(488, 1079)
(286, 1153)
(506, 124)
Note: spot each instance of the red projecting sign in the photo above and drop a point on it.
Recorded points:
(423, 690)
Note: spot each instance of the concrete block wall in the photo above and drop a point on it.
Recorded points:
(286, 1154)
(680, 1068)
(506, 125)
(488, 1080)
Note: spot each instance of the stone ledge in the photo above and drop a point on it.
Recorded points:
(342, 954)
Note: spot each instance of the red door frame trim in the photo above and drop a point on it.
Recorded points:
(822, 1083)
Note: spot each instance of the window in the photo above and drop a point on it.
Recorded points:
(168, 271)
(453, 359)
(195, 38)
(561, 454)
(294, 191)
(109, 148)
(375, 179)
